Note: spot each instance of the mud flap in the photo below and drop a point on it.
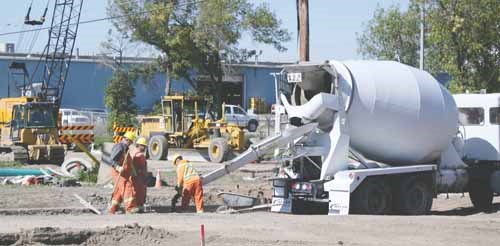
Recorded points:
(281, 205)
(339, 195)
(281, 200)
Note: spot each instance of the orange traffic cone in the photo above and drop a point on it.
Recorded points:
(158, 179)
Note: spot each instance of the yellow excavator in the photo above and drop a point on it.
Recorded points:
(28, 123)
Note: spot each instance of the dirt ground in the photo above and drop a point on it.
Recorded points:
(48, 215)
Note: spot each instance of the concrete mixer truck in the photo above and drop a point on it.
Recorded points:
(369, 137)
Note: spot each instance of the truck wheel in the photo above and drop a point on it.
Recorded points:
(372, 197)
(158, 147)
(413, 196)
(480, 194)
(218, 150)
(252, 125)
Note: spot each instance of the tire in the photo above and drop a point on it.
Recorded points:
(158, 147)
(374, 196)
(252, 126)
(218, 150)
(413, 196)
(480, 194)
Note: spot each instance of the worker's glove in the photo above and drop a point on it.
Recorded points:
(119, 169)
(178, 189)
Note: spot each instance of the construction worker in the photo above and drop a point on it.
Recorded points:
(122, 173)
(120, 150)
(141, 167)
(189, 182)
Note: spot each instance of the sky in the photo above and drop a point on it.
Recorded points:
(334, 25)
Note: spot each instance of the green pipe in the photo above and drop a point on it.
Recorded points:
(5, 172)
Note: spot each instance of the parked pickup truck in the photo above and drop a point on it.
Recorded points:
(237, 115)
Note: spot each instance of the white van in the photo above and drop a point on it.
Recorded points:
(72, 117)
(479, 116)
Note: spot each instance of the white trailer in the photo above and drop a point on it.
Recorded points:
(373, 137)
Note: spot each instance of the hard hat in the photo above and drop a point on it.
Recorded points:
(130, 135)
(176, 157)
(142, 141)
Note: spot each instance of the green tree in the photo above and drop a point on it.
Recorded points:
(120, 89)
(391, 34)
(198, 37)
(118, 99)
(465, 39)
(462, 39)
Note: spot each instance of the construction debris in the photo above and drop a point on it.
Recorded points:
(227, 210)
(6, 172)
(87, 204)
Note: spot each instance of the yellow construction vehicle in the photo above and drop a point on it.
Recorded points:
(188, 122)
(28, 123)
(29, 131)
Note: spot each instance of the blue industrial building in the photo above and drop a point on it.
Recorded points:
(87, 79)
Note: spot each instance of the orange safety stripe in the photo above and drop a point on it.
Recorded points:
(82, 138)
(73, 128)
(119, 129)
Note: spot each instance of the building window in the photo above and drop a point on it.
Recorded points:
(471, 116)
(495, 116)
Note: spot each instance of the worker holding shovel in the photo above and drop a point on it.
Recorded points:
(189, 182)
(119, 151)
(124, 174)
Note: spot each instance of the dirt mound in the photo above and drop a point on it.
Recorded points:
(121, 235)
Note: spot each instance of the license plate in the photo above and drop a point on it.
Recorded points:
(294, 77)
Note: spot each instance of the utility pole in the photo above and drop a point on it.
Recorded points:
(303, 17)
(422, 27)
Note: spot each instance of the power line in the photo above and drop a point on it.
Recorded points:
(95, 20)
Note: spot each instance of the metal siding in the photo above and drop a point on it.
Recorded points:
(86, 84)
(260, 83)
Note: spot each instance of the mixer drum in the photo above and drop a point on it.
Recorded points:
(396, 114)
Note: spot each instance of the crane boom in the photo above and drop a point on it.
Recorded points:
(59, 49)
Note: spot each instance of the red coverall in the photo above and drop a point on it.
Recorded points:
(124, 190)
(188, 178)
(140, 181)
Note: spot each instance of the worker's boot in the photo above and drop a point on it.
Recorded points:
(133, 211)
(114, 207)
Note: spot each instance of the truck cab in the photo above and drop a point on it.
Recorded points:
(479, 116)
(235, 114)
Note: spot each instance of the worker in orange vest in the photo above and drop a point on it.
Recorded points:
(189, 182)
(124, 190)
(141, 166)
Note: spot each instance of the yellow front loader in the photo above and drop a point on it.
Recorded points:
(29, 131)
